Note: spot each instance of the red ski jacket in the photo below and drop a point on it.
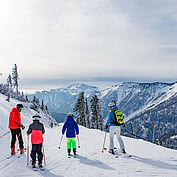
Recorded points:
(36, 129)
(15, 119)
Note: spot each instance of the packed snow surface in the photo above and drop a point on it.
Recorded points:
(147, 159)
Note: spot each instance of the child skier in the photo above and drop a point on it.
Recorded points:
(36, 129)
(72, 130)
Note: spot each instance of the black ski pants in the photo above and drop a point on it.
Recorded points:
(16, 133)
(37, 149)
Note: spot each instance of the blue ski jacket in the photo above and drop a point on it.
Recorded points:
(71, 126)
(111, 117)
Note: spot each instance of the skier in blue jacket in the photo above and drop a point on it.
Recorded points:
(114, 128)
(72, 129)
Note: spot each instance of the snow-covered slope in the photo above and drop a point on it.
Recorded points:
(147, 159)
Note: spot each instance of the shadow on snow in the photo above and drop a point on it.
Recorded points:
(156, 163)
(95, 163)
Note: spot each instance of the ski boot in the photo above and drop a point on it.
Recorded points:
(69, 153)
(12, 151)
(33, 163)
(123, 151)
(111, 151)
(40, 165)
(21, 150)
(74, 151)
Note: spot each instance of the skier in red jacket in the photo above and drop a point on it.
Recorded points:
(36, 129)
(15, 126)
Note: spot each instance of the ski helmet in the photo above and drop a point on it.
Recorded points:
(112, 104)
(36, 117)
(19, 106)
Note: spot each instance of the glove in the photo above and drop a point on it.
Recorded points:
(107, 126)
(23, 127)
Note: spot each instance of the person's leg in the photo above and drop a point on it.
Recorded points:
(111, 146)
(40, 154)
(33, 153)
(13, 140)
(73, 141)
(69, 145)
(20, 140)
(122, 147)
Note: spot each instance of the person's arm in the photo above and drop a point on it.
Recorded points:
(29, 130)
(77, 129)
(17, 119)
(64, 128)
(43, 129)
(109, 118)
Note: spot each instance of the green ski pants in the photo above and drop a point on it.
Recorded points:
(71, 141)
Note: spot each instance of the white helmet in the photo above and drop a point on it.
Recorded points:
(112, 104)
(36, 117)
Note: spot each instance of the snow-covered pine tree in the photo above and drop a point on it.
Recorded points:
(79, 109)
(94, 113)
(21, 97)
(42, 105)
(46, 109)
(87, 117)
(34, 99)
(15, 78)
(8, 97)
(26, 99)
(97, 118)
(9, 83)
(100, 117)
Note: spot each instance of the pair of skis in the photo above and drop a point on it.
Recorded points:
(116, 155)
(18, 156)
(36, 168)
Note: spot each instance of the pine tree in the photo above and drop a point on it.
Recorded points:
(42, 105)
(87, 117)
(34, 99)
(94, 113)
(15, 78)
(26, 98)
(9, 83)
(100, 118)
(80, 110)
(46, 109)
(97, 118)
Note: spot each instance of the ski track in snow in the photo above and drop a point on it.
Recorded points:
(147, 159)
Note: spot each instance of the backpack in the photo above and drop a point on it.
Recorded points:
(118, 119)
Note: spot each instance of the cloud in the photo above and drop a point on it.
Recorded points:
(63, 39)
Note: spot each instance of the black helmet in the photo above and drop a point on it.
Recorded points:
(19, 106)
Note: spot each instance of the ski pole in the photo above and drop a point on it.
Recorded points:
(104, 142)
(60, 141)
(43, 154)
(28, 150)
(78, 141)
(5, 134)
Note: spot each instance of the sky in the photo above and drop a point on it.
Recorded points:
(58, 42)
